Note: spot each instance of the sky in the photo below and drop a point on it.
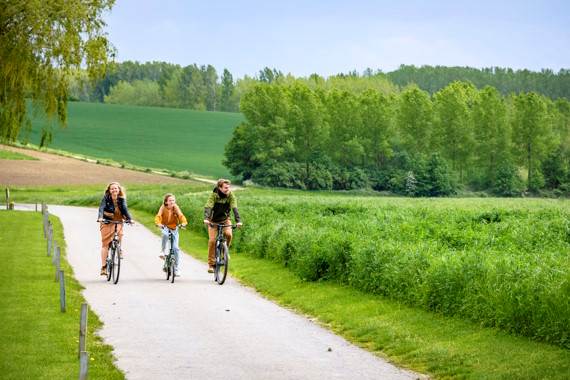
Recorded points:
(331, 37)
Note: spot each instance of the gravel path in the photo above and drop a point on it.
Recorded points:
(196, 329)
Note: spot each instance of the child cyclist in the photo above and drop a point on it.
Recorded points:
(168, 218)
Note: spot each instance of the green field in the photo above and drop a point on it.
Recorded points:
(166, 138)
(38, 340)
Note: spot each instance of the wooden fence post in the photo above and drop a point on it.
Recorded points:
(49, 238)
(83, 329)
(44, 220)
(62, 291)
(56, 260)
(83, 365)
(7, 198)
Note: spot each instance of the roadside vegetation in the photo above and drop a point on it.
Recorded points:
(38, 340)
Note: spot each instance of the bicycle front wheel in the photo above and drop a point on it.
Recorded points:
(110, 263)
(116, 259)
(222, 263)
(172, 267)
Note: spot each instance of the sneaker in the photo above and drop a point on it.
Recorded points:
(210, 269)
(176, 273)
(121, 254)
(104, 271)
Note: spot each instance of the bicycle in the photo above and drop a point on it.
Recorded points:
(114, 256)
(222, 253)
(170, 260)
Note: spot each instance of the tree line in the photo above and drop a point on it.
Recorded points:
(506, 80)
(201, 87)
(308, 134)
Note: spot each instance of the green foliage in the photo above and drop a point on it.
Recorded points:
(40, 44)
(530, 133)
(138, 93)
(505, 80)
(508, 182)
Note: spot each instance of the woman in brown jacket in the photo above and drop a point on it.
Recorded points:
(113, 207)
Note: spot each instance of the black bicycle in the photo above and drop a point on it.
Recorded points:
(170, 259)
(222, 254)
(114, 255)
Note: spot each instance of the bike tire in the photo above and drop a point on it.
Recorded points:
(222, 263)
(110, 263)
(116, 265)
(172, 267)
(167, 266)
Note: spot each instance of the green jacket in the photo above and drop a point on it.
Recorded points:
(218, 206)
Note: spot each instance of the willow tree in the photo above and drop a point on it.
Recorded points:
(41, 43)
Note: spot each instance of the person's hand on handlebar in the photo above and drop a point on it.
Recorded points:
(239, 224)
(206, 222)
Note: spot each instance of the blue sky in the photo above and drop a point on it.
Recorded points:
(329, 37)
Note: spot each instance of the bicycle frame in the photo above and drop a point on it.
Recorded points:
(170, 259)
(222, 254)
(115, 250)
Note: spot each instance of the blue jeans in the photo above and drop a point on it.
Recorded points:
(165, 240)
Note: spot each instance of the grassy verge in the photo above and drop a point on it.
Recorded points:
(38, 341)
(9, 155)
(426, 342)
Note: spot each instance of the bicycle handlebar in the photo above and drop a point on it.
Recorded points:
(114, 222)
(234, 226)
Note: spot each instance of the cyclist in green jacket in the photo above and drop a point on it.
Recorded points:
(217, 210)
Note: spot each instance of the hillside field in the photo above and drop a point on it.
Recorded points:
(167, 138)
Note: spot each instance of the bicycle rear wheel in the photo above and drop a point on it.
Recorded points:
(116, 259)
(222, 263)
(110, 263)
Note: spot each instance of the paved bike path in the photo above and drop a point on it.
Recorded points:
(196, 329)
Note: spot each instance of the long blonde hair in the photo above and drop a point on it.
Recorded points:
(122, 192)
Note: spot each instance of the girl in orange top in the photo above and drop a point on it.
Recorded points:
(168, 218)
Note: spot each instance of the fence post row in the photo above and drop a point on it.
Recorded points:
(59, 275)
(62, 291)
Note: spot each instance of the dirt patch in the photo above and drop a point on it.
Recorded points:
(51, 169)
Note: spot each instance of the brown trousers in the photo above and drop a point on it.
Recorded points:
(212, 231)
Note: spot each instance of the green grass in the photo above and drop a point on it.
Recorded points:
(443, 347)
(9, 155)
(154, 137)
(38, 341)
